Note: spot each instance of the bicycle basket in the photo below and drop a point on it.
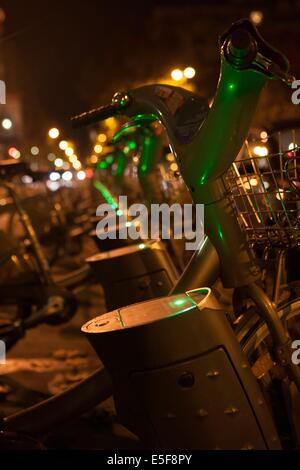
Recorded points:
(264, 186)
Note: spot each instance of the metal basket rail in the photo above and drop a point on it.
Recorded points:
(264, 186)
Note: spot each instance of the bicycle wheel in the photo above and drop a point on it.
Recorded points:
(255, 331)
(281, 394)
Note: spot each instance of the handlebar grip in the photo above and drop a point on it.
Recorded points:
(241, 48)
(93, 116)
(240, 43)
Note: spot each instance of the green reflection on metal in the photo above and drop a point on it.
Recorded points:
(145, 117)
(223, 132)
(106, 194)
(121, 164)
(109, 159)
(202, 179)
(221, 235)
(131, 144)
(126, 130)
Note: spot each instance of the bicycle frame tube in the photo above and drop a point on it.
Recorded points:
(42, 263)
(209, 156)
(203, 269)
(151, 154)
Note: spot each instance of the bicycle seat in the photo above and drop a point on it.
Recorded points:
(10, 168)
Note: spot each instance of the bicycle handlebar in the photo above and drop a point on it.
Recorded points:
(241, 40)
(12, 167)
(95, 115)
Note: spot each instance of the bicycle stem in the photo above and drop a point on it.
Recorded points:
(204, 161)
(151, 152)
(205, 152)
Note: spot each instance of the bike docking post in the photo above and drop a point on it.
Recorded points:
(179, 376)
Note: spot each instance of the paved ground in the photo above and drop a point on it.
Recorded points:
(49, 360)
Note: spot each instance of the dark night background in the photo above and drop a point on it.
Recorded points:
(63, 57)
